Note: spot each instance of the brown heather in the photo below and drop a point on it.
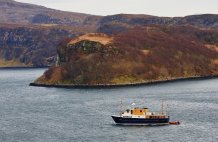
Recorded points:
(140, 54)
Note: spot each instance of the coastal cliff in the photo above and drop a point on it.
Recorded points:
(139, 55)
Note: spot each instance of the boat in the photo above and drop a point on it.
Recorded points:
(174, 123)
(141, 116)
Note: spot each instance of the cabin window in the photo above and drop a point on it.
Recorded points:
(140, 110)
(131, 111)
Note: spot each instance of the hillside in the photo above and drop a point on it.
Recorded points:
(33, 45)
(141, 54)
(29, 45)
(29, 34)
(122, 22)
(23, 13)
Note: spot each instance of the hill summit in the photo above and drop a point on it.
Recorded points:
(95, 37)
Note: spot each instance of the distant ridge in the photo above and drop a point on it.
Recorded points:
(23, 13)
(6, 0)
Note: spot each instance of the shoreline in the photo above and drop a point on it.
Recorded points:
(23, 67)
(155, 82)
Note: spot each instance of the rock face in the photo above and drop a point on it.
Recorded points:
(138, 55)
(29, 46)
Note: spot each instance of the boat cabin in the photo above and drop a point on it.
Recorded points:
(139, 111)
(136, 111)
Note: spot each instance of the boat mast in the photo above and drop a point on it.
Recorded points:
(121, 107)
(162, 108)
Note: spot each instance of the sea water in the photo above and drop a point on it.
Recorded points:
(39, 114)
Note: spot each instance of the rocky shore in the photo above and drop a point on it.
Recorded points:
(152, 82)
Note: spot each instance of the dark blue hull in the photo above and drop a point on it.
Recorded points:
(140, 121)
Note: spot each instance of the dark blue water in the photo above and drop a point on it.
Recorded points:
(33, 114)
